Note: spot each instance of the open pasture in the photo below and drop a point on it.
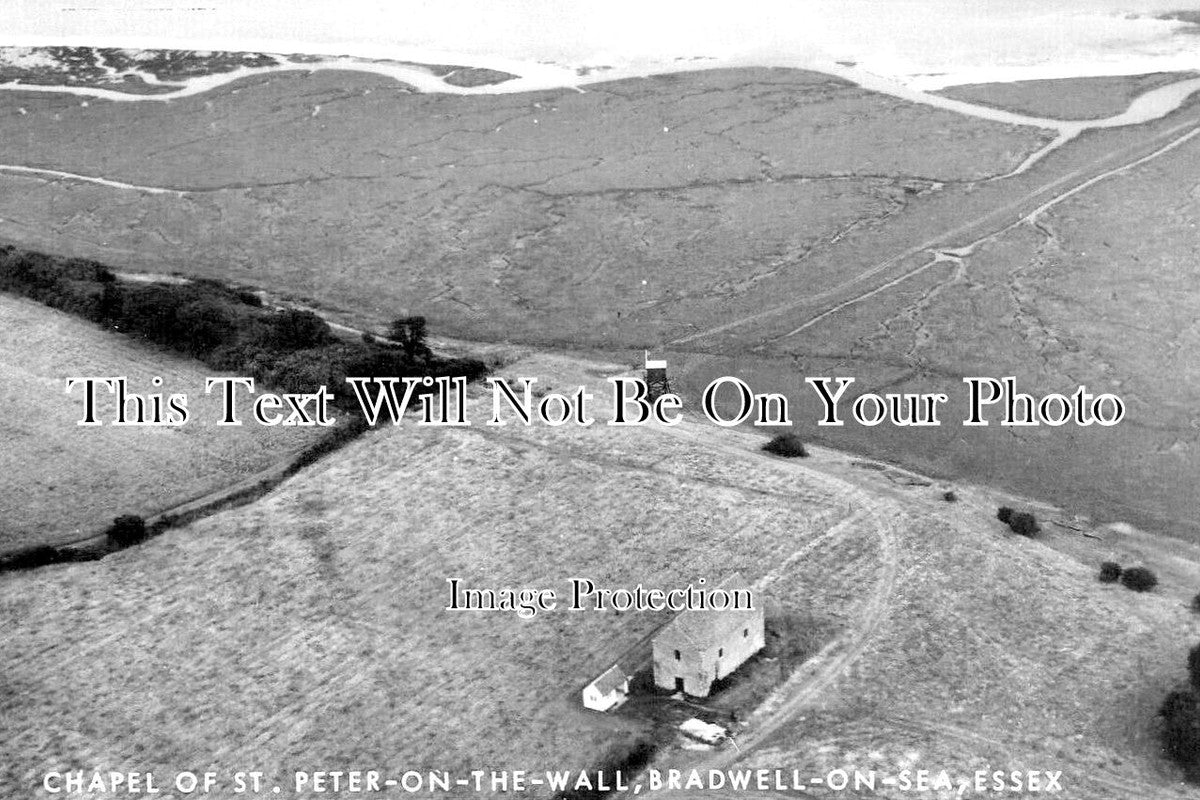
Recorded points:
(995, 652)
(310, 627)
(64, 481)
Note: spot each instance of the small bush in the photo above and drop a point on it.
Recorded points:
(1110, 572)
(787, 445)
(1021, 522)
(950, 497)
(1139, 579)
(1024, 523)
(1196, 603)
(128, 529)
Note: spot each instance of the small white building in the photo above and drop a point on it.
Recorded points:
(608, 691)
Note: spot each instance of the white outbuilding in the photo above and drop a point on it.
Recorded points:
(608, 691)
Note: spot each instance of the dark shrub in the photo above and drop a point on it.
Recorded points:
(126, 530)
(1181, 731)
(1196, 603)
(351, 426)
(294, 329)
(1176, 703)
(228, 328)
(108, 305)
(205, 326)
(1021, 522)
(626, 757)
(31, 273)
(378, 361)
(1139, 579)
(787, 445)
(409, 333)
(29, 558)
(151, 312)
(472, 369)
(950, 497)
(1024, 523)
(1194, 666)
(303, 370)
(1110, 572)
(81, 269)
(248, 298)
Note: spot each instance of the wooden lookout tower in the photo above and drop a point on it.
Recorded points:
(656, 377)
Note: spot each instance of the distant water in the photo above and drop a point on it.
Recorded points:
(926, 44)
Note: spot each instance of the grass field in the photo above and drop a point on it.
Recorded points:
(64, 481)
(308, 630)
(310, 627)
(1004, 653)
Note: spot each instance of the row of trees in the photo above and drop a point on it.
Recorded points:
(228, 329)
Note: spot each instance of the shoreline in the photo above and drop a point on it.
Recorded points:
(418, 66)
(1152, 103)
(949, 46)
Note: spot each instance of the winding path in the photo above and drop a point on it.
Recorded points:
(830, 664)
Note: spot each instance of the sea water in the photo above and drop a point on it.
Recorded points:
(925, 44)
